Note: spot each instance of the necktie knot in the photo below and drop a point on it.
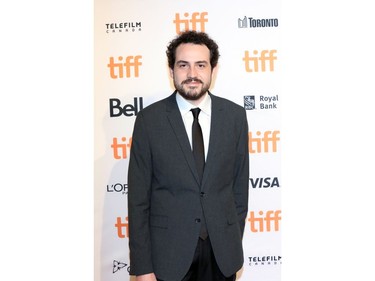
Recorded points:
(196, 112)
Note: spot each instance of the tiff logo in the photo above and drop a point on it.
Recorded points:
(195, 20)
(122, 228)
(260, 62)
(120, 148)
(259, 143)
(117, 68)
(265, 223)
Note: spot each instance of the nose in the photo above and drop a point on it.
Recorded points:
(192, 72)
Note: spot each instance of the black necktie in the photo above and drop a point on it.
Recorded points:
(198, 146)
(198, 152)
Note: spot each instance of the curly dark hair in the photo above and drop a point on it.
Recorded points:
(194, 37)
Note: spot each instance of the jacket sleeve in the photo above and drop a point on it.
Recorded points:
(241, 179)
(139, 188)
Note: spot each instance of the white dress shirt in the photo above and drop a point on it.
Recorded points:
(204, 118)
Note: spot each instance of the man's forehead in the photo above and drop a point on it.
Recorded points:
(192, 51)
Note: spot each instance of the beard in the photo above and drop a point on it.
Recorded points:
(191, 93)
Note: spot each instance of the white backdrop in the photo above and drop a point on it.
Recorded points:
(328, 149)
(131, 73)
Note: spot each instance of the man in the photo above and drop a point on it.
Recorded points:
(183, 226)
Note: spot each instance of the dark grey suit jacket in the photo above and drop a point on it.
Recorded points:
(165, 198)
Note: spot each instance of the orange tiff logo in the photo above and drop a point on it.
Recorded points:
(263, 142)
(121, 147)
(260, 62)
(190, 22)
(122, 227)
(130, 65)
(265, 222)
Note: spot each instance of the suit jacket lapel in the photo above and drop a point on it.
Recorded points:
(177, 124)
(217, 118)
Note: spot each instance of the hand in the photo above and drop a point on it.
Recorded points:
(146, 277)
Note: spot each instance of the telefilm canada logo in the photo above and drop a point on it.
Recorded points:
(123, 27)
(250, 22)
(118, 265)
(261, 102)
(265, 260)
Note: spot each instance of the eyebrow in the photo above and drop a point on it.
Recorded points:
(197, 62)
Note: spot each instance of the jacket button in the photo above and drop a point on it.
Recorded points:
(203, 194)
(197, 220)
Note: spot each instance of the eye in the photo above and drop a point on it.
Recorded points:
(182, 65)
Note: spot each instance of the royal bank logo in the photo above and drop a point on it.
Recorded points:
(123, 27)
(261, 102)
(249, 22)
(249, 102)
(117, 265)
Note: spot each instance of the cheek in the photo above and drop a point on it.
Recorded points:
(178, 76)
(206, 76)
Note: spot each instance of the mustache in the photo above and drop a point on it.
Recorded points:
(192, 80)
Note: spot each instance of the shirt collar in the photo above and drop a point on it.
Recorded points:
(185, 106)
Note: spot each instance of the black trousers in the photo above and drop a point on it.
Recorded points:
(204, 266)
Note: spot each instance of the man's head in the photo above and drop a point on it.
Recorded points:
(193, 37)
(192, 57)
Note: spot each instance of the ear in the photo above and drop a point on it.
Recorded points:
(171, 72)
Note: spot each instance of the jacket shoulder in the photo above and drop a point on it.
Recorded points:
(224, 103)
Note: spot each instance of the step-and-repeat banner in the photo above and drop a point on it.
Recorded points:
(131, 72)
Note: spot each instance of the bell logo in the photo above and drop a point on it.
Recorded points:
(117, 110)
(263, 61)
(195, 20)
(117, 68)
